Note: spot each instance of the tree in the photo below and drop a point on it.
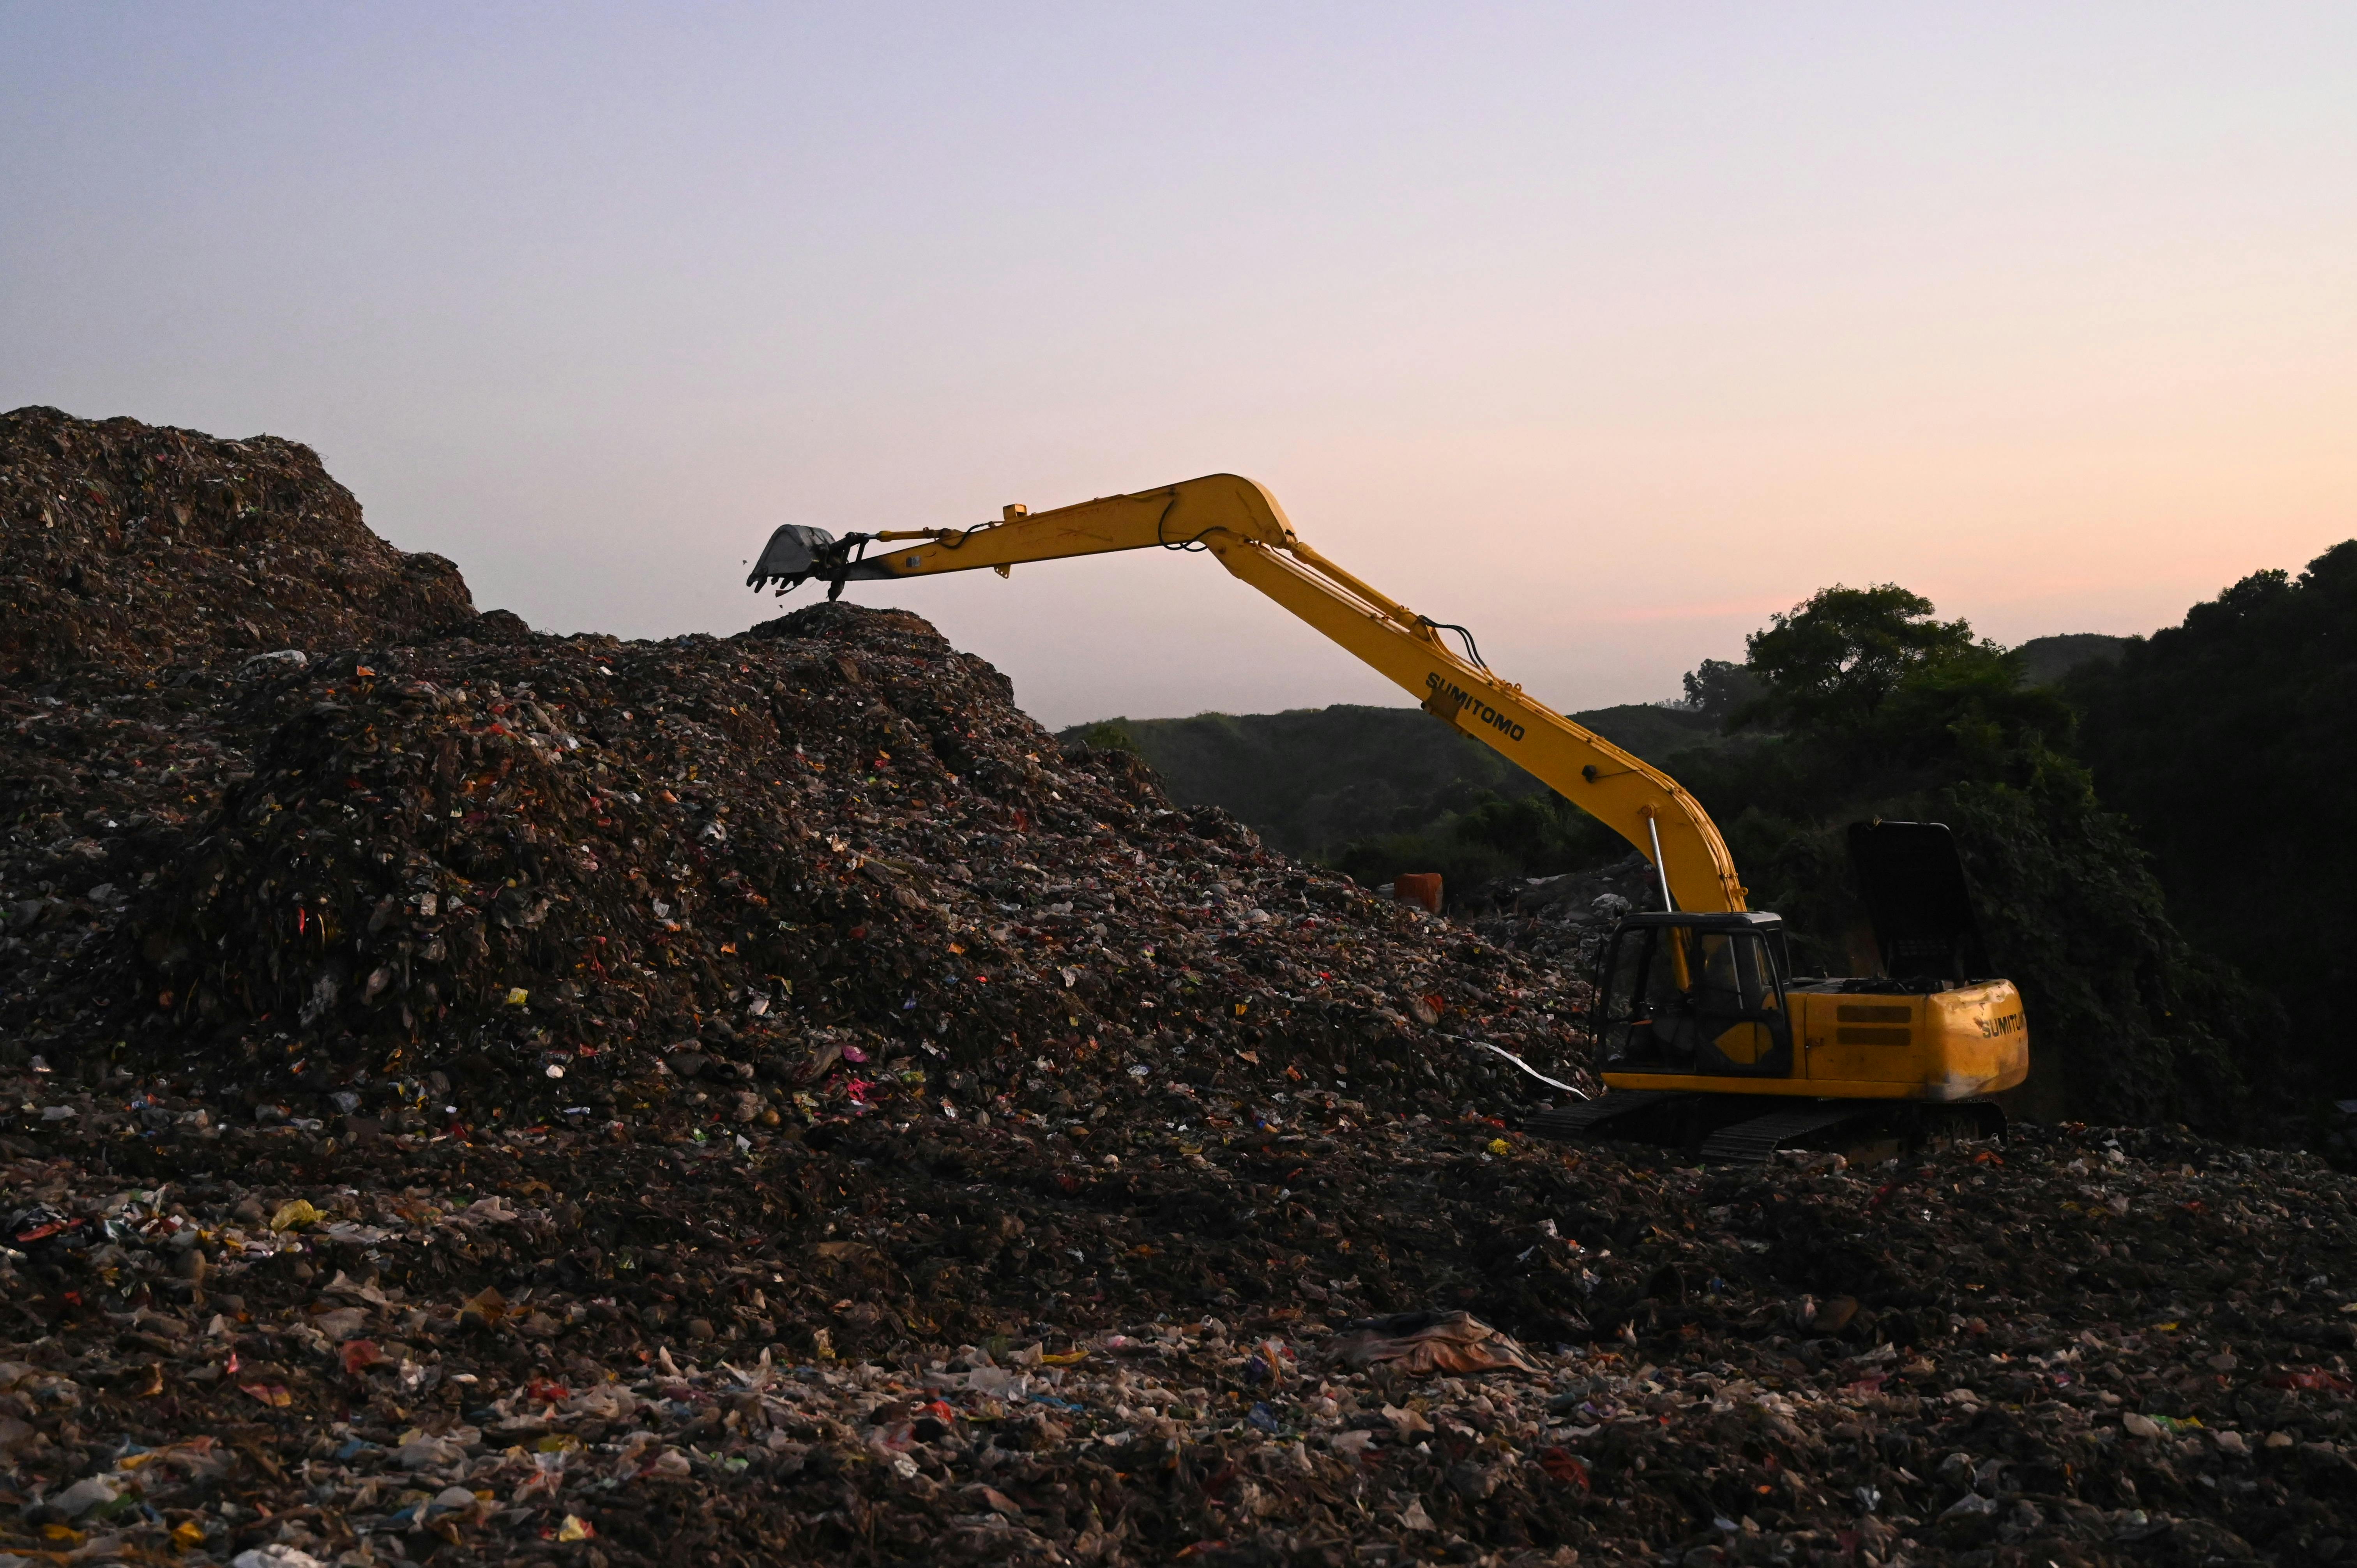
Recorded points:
(1889, 697)
(1719, 689)
(1834, 659)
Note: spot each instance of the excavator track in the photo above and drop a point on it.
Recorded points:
(1593, 1118)
(1721, 1128)
(1749, 1142)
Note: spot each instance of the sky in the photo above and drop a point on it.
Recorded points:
(1608, 330)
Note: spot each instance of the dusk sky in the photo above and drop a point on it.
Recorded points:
(1607, 330)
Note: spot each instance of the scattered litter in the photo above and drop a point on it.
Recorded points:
(1423, 1343)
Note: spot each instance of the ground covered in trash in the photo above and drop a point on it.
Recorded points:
(471, 1095)
(901, 1341)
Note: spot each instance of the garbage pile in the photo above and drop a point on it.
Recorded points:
(811, 874)
(827, 852)
(1563, 920)
(477, 1096)
(130, 547)
(1401, 1339)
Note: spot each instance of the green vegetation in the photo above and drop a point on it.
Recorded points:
(1872, 707)
(1106, 734)
(2230, 741)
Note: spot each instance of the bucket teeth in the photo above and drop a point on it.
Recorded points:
(794, 553)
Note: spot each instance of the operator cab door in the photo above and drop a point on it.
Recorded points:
(1696, 1000)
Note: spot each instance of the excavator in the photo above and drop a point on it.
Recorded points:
(1706, 1039)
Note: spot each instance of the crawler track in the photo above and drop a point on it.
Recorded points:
(1727, 1129)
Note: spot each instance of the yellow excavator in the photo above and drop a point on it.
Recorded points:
(1705, 1038)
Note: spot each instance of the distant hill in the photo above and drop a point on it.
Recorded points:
(1314, 780)
(2046, 659)
(1366, 787)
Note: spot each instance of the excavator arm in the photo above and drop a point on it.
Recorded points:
(1240, 523)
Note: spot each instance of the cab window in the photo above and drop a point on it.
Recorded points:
(1686, 1000)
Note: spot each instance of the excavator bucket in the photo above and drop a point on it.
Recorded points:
(793, 552)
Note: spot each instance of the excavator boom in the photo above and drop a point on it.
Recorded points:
(1240, 523)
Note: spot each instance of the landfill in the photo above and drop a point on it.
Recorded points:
(470, 1095)
(1564, 920)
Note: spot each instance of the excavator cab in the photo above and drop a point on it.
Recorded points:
(1695, 995)
(1709, 1040)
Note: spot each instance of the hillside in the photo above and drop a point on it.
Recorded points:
(1314, 781)
(2045, 661)
(1329, 783)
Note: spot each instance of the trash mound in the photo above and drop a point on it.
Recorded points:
(1406, 1341)
(1564, 920)
(132, 547)
(829, 838)
(818, 870)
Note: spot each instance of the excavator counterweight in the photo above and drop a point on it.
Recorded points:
(1700, 1023)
